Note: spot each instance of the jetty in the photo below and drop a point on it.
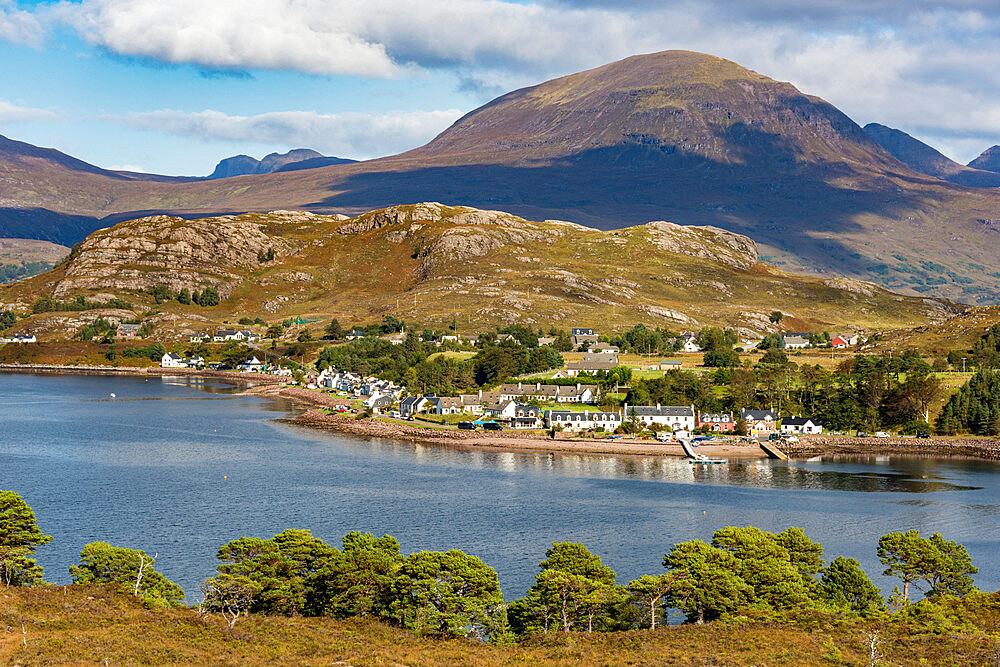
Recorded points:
(772, 450)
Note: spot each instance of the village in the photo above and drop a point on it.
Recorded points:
(534, 405)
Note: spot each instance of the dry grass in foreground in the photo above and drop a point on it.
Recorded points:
(101, 625)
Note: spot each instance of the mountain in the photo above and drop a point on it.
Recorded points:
(431, 263)
(676, 136)
(927, 160)
(989, 160)
(298, 158)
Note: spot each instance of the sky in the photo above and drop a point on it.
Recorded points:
(173, 86)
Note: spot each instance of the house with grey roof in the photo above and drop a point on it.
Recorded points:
(569, 420)
(674, 417)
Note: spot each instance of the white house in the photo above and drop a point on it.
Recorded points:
(171, 360)
(377, 402)
(411, 405)
(794, 342)
(674, 417)
(502, 410)
(688, 344)
(251, 365)
(527, 416)
(582, 421)
(444, 405)
(580, 393)
(20, 338)
(397, 338)
(800, 425)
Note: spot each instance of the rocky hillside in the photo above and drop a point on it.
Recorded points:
(676, 136)
(433, 263)
(927, 160)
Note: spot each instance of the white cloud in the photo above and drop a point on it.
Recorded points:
(14, 113)
(19, 26)
(301, 35)
(355, 135)
(922, 64)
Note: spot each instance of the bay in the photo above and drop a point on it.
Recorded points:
(178, 467)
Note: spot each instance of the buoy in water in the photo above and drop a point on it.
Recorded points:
(113, 396)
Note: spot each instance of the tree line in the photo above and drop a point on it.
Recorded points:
(451, 593)
(862, 392)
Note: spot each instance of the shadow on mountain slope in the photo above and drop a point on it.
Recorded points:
(768, 191)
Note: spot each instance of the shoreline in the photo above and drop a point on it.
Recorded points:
(310, 401)
(244, 379)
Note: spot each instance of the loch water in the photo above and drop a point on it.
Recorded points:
(179, 466)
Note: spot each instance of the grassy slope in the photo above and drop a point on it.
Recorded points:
(956, 333)
(583, 278)
(90, 625)
(15, 251)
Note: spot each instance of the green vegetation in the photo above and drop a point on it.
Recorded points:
(975, 407)
(7, 319)
(863, 392)
(941, 566)
(745, 580)
(19, 537)
(11, 272)
(101, 563)
(418, 365)
(46, 305)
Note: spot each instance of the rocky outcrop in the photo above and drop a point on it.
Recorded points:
(853, 286)
(211, 252)
(705, 242)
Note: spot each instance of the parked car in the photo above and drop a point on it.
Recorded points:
(394, 413)
(882, 434)
(467, 426)
(923, 435)
(662, 436)
(492, 426)
(862, 434)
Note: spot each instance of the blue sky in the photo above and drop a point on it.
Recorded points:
(172, 86)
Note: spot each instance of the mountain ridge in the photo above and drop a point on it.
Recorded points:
(927, 159)
(988, 160)
(674, 136)
(294, 159)
(433, 263)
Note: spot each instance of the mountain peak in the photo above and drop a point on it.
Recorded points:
(989, 160)
(671, 103)
(928, 160)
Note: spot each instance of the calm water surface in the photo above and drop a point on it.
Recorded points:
(179, 467)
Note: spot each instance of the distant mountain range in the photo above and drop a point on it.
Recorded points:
(293, 160)
(677, 136)
(927, 160)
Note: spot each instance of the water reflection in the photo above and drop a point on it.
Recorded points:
(890, 475)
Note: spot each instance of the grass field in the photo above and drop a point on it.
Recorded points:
(86, 625)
